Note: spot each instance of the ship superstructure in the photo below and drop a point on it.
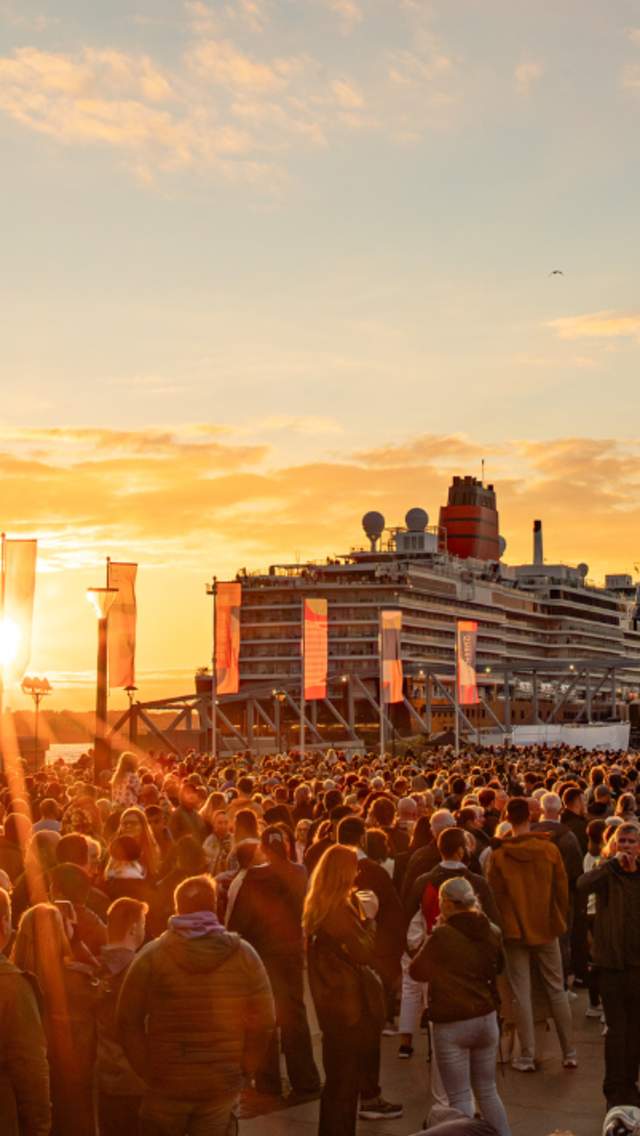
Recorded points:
(537, 622)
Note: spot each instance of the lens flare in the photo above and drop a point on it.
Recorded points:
(10, 636)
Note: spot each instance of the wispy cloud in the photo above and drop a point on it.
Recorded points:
(222, 106)
(350, 13)
(598, 325)
(526, 75)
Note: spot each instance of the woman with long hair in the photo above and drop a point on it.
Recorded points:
(69, 996)
(32, 886)
(125, 782)
(460, 960)
(134, 823)
(347, 995)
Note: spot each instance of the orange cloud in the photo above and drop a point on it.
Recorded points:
(598, 325)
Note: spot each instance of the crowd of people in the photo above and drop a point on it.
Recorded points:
(159, 925)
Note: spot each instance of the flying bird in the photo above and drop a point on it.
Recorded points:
(556, 272)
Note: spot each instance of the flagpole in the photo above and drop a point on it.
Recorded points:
(456, 696)
(214, 679)
(302, 691)
(381, 683)
(2, 590)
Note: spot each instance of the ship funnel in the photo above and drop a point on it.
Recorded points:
(538, 557)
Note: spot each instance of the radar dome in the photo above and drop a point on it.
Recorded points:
(416, 520)
(502, 546)
(583, 570)
(373, 525)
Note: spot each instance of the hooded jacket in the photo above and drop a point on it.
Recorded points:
(460, 961)
(24, 1072)
(530, 887)
(195, 1013)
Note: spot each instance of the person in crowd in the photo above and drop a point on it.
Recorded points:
(573, 944)
(390, 935)
(615, 881)
(218, 844)
(49, 817)
(268, 913)
(530, 886)
(74, 849)
(347, 995)
(460, 961)
(125, 782)
(301, 833)
(133, 822)
(426, 858)
(24, 1071)
(31, 885)
(165, 843)
(185, 820)
(194, 1016)
(125, 873)
(70, 884)
(119, 1089)
(69, 993)
(574, 814)
(14, 840)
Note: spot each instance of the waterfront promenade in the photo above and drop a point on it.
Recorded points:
(537, 1104)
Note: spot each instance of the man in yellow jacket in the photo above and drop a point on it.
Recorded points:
(531, 890)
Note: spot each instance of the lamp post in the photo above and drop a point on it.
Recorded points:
(38, 688)
(101, 600)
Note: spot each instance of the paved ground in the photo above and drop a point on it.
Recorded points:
(537, 1104)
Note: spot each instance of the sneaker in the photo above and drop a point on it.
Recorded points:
(572, 996)
(390, 1030)
(570, 1060)
(379, 1109)
(524, 1064)
(593, 1012)
(405, 1051)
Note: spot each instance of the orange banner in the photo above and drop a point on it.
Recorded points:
(18, 590)
(391, 657)
(228, 603)
(315, 644)
(122, 625)
(466, 639)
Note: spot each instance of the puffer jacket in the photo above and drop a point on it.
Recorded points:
(24, 1072)
(530, 887)
(460, 961)
(194, 1014)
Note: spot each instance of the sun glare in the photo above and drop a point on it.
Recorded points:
(10, 635)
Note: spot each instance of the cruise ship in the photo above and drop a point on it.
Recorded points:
(551, 644)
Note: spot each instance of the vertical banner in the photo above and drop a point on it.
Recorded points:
(18, 590)
(315, 648)
(466, 640)
(228, 601)
(390, 656)
(122, 624)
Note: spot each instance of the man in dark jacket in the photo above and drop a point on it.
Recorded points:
(616, 954)
(575, 951)
(268, 913)
(424, 893)
(24, 1072)
(574, 815)
(194, 1015)
(120, 1090)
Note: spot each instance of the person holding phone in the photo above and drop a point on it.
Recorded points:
(616, 954)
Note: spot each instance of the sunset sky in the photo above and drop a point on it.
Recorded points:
(268, 264)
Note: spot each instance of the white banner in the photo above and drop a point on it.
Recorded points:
(122, 624)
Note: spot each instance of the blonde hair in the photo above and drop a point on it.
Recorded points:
(127, 763)
(42, 948)
(150, 853)
(330, 886)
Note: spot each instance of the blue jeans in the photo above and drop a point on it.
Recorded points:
(466, 1053)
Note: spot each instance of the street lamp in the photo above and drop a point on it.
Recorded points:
(101, 600)
(38, 688)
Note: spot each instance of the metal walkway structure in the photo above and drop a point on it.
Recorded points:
(261, 716)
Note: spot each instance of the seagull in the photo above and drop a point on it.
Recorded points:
(556, 272)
